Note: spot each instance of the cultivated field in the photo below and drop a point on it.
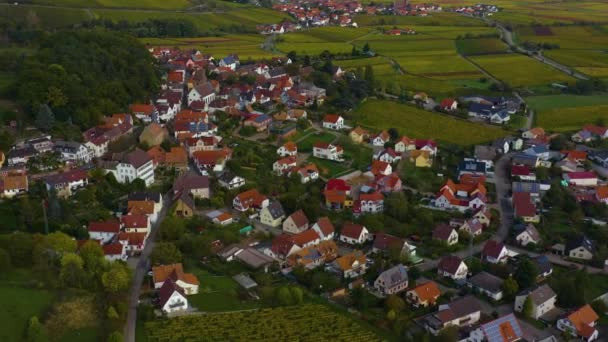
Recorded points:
(580, 47)
(482, 46)
(520, 71)
(568, 112)
(572, 118)
(293, 323)
(152, 4)
(418, 123)
(245, 46)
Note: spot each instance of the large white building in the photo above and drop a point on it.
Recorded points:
(134, 165)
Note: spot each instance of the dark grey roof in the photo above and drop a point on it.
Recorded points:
(483, 152)
(581, 241)
(539, 294)
(276, 209)
(486, 281)
(394, 276)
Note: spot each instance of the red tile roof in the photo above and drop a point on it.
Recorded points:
(105, 227)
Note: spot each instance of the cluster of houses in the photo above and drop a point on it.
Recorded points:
(341, 13)
(126, 235)
(478, 10)
(495, 110)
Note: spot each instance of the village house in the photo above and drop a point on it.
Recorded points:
(423, 295)
(115, 251)
(307, 173)
(503, 329)
(381, 168)
(387, 155)
(371, 202)
(97, 138)
(405, 144)
(354, 234)
(288, 149)
(449, 104)
(65, 183)
(324, 228)
(314, 256)
(534, 133)
(526, 234)
(421, 158)
(153, 134)
(445, 234)
(333, 121)
(385, 243)
(392, 281)
(358, 135)
(230, 181)
(462, 312)
(171, 298)
(250, 199)
(586, 179)
(284, 165)
(103, 231)
(494, 252)
(195, 185)
(581, 248)
(212, 161)
(72, 151)
(452, 267)
(135, 223)
(524, 207)
(351, 265)
(542, 298)
(203, 143)
(128, 167)
(296, 223)
(461, 197)
(484, 215)
(472, 227)
(380, 139)
(580, 323)
(187, 281)
(259, 122)
(146, 113)
(134, 242)
(487, 284)
(273, 214)
(328, 151)
(184, 205)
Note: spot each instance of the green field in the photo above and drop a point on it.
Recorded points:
(482, 46)
(419, 123)
(19, 304)
(571, 119)
(520, 71)
(568, 112)
(153, 4)
(294, 323)
(328, 168)
(245, 45)
(45, 16)
(436, 19)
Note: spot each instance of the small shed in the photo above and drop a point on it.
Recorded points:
(245, 281)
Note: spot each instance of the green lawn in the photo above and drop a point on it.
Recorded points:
(305, 145)
(418, 123)
(328, 168)
(19, 304)
(218, 293)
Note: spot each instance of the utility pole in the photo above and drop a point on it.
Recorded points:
(46, 221)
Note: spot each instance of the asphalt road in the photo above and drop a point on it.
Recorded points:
(143, 265)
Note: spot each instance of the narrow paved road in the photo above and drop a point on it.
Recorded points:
(507, 37)
(504, 207)
(140, 271)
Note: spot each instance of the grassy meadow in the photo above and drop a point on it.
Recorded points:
(568, 112)
(418, 123)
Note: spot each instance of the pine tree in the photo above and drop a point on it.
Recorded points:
(45, 118)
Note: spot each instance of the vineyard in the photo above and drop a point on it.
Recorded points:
(296, 323)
